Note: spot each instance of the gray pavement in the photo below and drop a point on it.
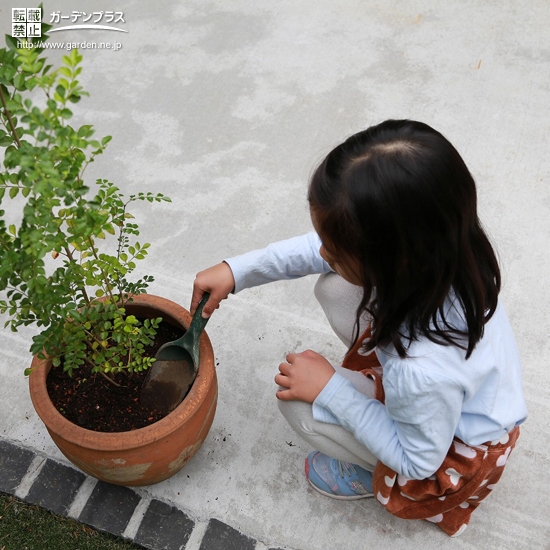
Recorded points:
(226, 106)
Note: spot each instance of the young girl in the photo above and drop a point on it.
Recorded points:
(425, 409)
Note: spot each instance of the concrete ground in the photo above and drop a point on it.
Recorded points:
(226, 106)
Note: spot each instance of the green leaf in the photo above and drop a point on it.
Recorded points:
(11, 42)
(85, 131)
(13, 192)
(19, 81)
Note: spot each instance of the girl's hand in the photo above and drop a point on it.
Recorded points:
(303, 376)
(219, 281)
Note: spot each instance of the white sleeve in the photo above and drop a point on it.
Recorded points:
(288, 259)
(413, 431)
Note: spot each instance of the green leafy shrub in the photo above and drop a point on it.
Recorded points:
(53, 271)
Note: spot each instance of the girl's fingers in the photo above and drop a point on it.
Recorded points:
(290, 358)
(283, 395)
(282, 380)
(284, 368)
(195, 300)
(211, 305)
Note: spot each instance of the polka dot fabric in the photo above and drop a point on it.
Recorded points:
(447, 498)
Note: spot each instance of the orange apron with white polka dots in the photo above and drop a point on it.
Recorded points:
(448, 497)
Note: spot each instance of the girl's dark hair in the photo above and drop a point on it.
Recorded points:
(399, 199)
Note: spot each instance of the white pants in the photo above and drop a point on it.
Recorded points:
(339, 300)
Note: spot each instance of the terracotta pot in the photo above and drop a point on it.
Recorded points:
(147, 455)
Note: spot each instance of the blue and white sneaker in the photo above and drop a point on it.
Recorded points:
(337, 479)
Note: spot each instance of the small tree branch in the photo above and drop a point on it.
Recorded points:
(69, 255)
(109, 379)
(7, 114)
(103, 274)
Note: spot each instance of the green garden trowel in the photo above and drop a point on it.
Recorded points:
(175, 369)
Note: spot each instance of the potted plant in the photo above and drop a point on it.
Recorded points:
(67, 250)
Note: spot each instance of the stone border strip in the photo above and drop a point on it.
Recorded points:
(118, 510)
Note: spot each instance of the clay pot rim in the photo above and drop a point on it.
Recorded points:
(135, 438)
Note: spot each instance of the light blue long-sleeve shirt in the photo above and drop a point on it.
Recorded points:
(431, 396)
(289, 259)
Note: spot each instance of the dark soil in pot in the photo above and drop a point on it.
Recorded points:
(90, 401)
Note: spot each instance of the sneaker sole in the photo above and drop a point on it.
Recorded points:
(338, 497)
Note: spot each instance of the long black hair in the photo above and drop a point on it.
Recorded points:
(398, 201)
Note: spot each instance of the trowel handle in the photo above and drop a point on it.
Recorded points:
(199, 322)
(193, 335)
